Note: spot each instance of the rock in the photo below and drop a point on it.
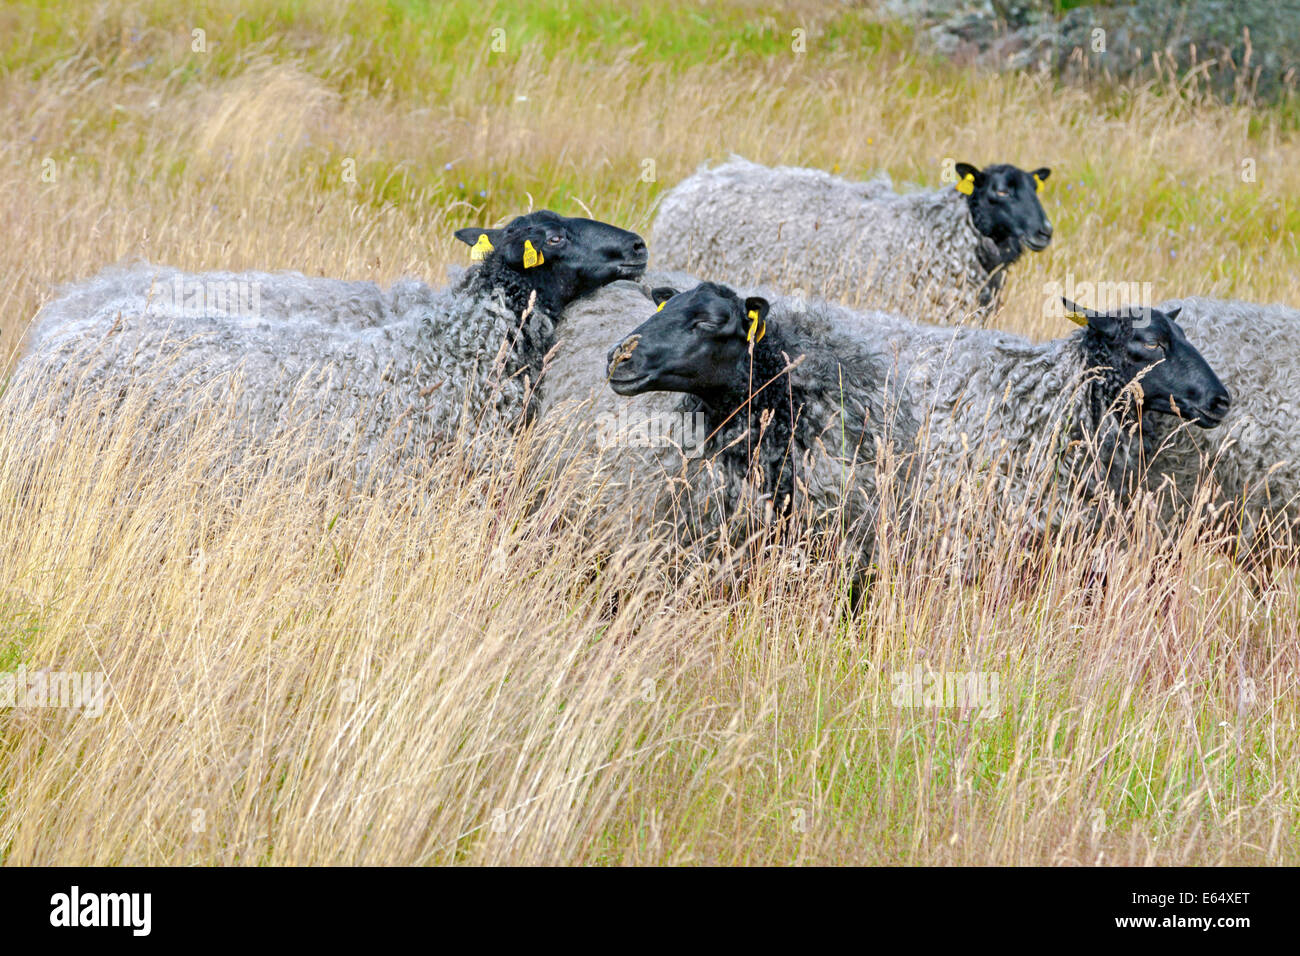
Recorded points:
(1246, 49)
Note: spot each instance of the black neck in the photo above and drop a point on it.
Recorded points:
(1113, 413)
(994, 253)
(536, 310)
(520, 293)
(735, 416)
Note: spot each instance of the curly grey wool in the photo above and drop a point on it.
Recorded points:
(380, 372)
(1255, 453)
(857, 242)
(165, 291)
(637, 446)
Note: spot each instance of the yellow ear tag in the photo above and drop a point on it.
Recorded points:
(966, 185)
(756, 331)
(531, 256)
(660, 306)
(1077, 318)
(1038, 184)
(478, 252)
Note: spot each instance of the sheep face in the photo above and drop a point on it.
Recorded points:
(1004, 206)
(698, 342)
(560, 256)
(1146, 347)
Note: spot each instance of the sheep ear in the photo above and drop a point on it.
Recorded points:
(1172, 314)
(661, 294)
(1040, 176)
(1077, 313)
(480, 241)
(1103, 322)
(756, 309)
(968, 177)
(471, 234)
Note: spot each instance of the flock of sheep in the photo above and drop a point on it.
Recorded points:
(808, 405)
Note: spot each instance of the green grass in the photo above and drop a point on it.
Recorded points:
(19, 626)
(407, 45)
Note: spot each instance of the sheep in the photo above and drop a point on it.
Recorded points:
(955, 379)
(386, 372)
(936, 255)
(796, 415)
(1255, 455)
(1086, 418)
(640, 448)
(1062, 428)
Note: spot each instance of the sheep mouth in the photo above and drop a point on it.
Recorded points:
(1038, 243)
(634, 269)
(629, 384)
(1207, 419)
(1201, 417)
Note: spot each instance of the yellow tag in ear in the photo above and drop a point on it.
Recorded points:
(756, 331)
(1038, 184)
(531, 256)
(478, 252)
(1077, 318)
(660, 306)
(966, 185)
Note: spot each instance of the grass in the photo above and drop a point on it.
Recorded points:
(303, 672)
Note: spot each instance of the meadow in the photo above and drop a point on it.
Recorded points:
(301, 671)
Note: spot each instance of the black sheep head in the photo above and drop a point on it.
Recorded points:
(560, 257)
(1146, 344)
(697, 342)
(1004, 206)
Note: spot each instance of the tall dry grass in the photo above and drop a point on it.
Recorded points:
(451, 671)
(303, 671)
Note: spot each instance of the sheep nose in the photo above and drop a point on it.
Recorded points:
(1047, 229)
(621, 353)
(1220, 404)
(638, 248)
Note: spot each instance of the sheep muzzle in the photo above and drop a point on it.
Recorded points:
(622, 353)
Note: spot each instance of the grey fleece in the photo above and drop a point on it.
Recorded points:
(386, 371)
(1255, 453)
(808, 232)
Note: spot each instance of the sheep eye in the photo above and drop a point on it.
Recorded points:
(554, 240)
(1003, 193)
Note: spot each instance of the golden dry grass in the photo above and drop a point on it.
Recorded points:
(305, 672)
